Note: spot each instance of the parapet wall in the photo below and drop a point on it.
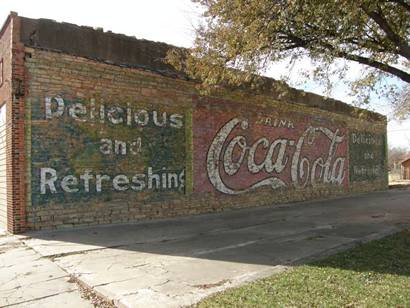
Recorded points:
(106, 143)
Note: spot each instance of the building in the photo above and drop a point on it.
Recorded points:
(405, 169)
(97, 128)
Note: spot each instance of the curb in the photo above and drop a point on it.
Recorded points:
(350, 245)
(399, 186)
(314, 257)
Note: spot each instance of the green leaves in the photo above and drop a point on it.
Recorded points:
(247, 36)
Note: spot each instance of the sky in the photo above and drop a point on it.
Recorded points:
(173, 22)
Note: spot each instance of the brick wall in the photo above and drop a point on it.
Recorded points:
(107, 136)
(16, 142)
(108, 144)
(12, 92)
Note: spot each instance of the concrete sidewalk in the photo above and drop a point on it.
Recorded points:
(28, 280)
(178, 262)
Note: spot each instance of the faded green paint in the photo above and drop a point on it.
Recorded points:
(367, 156)
(71, 147)
(27, 128)
(189, 150)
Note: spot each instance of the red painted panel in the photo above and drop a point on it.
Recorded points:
(237, 150)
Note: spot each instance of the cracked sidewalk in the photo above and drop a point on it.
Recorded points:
(177, 262)
(29, 280)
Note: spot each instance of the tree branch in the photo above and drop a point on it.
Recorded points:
(360, 59)
(376, 64)
(402, 3)
(378, 18)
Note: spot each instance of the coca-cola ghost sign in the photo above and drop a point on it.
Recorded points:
(234, 154)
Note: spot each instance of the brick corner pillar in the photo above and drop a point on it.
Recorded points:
(16, 165)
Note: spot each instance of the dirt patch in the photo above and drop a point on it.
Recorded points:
(90, 295)
(212, 285)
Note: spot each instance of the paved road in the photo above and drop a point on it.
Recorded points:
(177, 262)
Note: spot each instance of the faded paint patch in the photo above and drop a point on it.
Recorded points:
(367, 156)
(239, 151)
(85, 149)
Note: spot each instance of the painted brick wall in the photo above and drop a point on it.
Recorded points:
(107, 144)
(131, 142)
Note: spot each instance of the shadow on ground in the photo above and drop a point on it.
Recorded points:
(178, 262)
(263, 236)
(388, 256)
